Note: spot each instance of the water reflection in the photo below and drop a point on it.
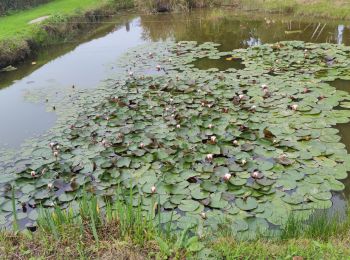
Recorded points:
(252, 42)
(340, 34)
(235, 30)
(84, 66)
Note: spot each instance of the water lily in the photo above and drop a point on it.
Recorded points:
(227, 177)
(55, 153)
(256, 174)
(158, 67)
(210, 157)
(241, 96)
(210, 126)
(178, 126)
(243, 162)
(104, 142)
(33, 173)
(142, 145)
(213, 139)
(264, 86)
(294, 107)
(203, 215)
(50, 186)
(153, 189)
(52, 144)
(131, 73)
(235, 142)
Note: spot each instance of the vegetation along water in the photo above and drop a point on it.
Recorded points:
(210, 134)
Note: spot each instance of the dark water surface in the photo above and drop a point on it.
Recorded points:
(88, 61)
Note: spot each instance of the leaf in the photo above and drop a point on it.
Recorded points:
(246, 204)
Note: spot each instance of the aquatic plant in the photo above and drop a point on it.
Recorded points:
(252, 147)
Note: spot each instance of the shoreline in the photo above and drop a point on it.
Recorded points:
(55, 29)
(62, 27)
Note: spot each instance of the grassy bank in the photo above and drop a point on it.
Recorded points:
(20, 39)
(338, 9)
(121, 232)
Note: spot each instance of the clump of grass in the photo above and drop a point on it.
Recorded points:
(322, 226)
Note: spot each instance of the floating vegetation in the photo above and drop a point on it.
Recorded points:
(199, 147)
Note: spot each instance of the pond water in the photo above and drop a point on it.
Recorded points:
(90, 60)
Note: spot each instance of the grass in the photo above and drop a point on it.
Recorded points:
(121, 231)
(20, 40)
(337, 9)
(16, 25)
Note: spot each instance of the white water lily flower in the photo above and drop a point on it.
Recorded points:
(235, 142)
(142, 145)
(33, 173)
(255, 174)
(131, 73)
(227, 177)
(243, 161)
(213, 138)
(241, 96)
(210, 126)
(158, 67)
(210, 156)
(153, 189)
(52, 144)
(294, 107)
(178, 126)
(264, 86)
(50, 186)
(203, 215)
(55, 153)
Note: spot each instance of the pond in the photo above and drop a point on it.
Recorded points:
(92, 61)
(89, 60)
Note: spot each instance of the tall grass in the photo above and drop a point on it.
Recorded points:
(321, 226)
(173, 5)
